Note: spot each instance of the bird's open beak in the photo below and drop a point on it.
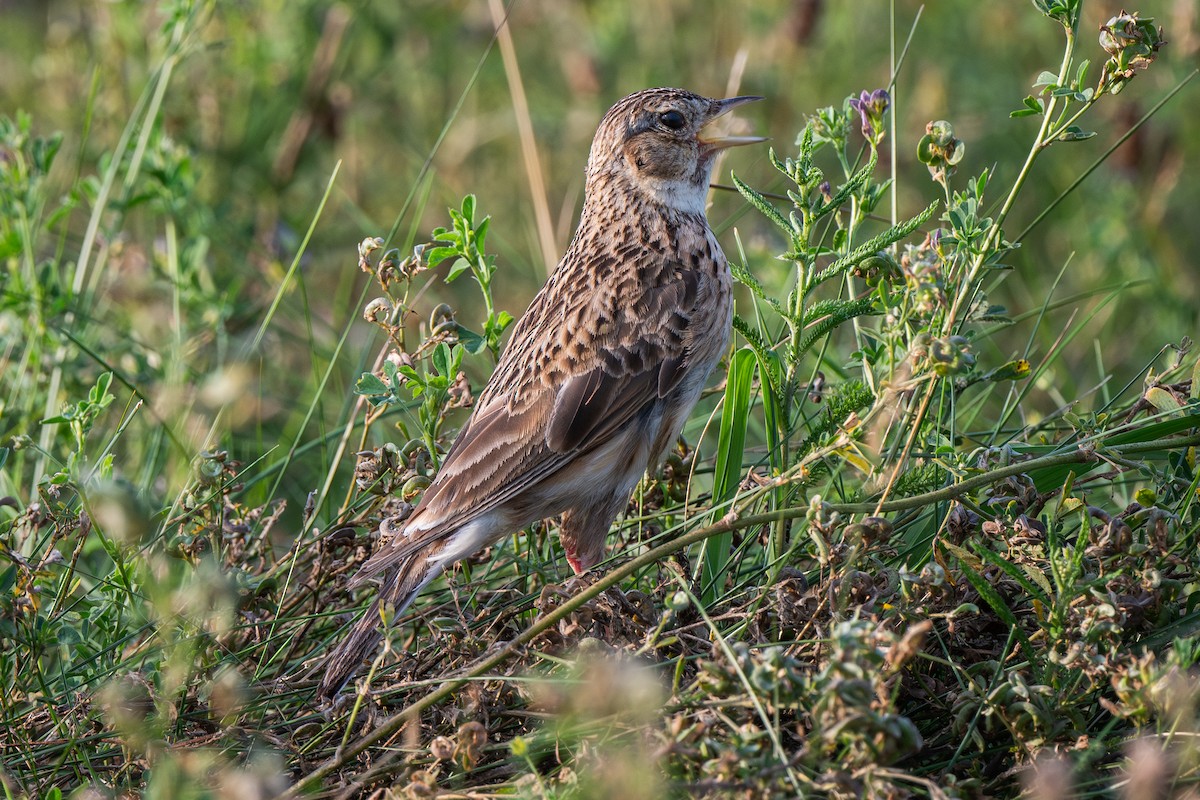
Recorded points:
(721, 142)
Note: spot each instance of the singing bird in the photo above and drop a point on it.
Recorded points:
(600, 373)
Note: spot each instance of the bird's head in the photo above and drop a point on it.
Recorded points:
(652, 140)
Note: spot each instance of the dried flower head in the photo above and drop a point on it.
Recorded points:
(1132, 43)
(940, 150)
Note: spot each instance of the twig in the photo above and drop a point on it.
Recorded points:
(391, 725)
(533, 165)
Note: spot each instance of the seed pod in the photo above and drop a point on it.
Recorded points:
(378, 310)
(414, 486)
(441, 317)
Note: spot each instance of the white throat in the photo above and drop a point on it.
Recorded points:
(684, 196)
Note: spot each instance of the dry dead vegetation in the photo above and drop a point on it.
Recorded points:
(881, 569)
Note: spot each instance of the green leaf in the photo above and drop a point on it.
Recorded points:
(1067, 502)
(956, 219)
(457, 268)
(1076, 134)
(8, 579)
(857, 180)
(437, 255)
(1163, 400)
(481, 233)
(763, 205)
(770, 377)
(99, 392)
(839, 311)
(734, 416)
(369, 384)
(744, 277)
(1049, 478)
(1045, 78)
(1039, 590)
(731, 443)
(880, 242)
(471, 341)
(68, 636)
(753, 338)
(1157, 430)
(441, 359)
(1032, 106)
(873, 194)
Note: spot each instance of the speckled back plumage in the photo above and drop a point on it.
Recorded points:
(599, 374)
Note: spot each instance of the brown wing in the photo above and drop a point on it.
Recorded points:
(559, 390)
(644, 363)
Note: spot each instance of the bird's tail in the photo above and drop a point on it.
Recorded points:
(343, 662)
(398, 589)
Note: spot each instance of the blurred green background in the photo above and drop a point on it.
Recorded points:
(269, 96)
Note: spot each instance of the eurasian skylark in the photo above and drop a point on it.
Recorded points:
(599, 375)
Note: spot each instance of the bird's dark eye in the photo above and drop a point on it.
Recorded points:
(672, 119)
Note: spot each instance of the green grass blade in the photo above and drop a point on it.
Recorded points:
(731, 445)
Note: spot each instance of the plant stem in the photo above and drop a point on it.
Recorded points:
(994, 233)
(389, 726)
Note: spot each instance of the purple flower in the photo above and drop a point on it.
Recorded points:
(871, 106)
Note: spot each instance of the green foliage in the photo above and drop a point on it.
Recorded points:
(464, 242)
(430, 387)
(913, 551)
(731, 445)
(892, 439)
(439, 385)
